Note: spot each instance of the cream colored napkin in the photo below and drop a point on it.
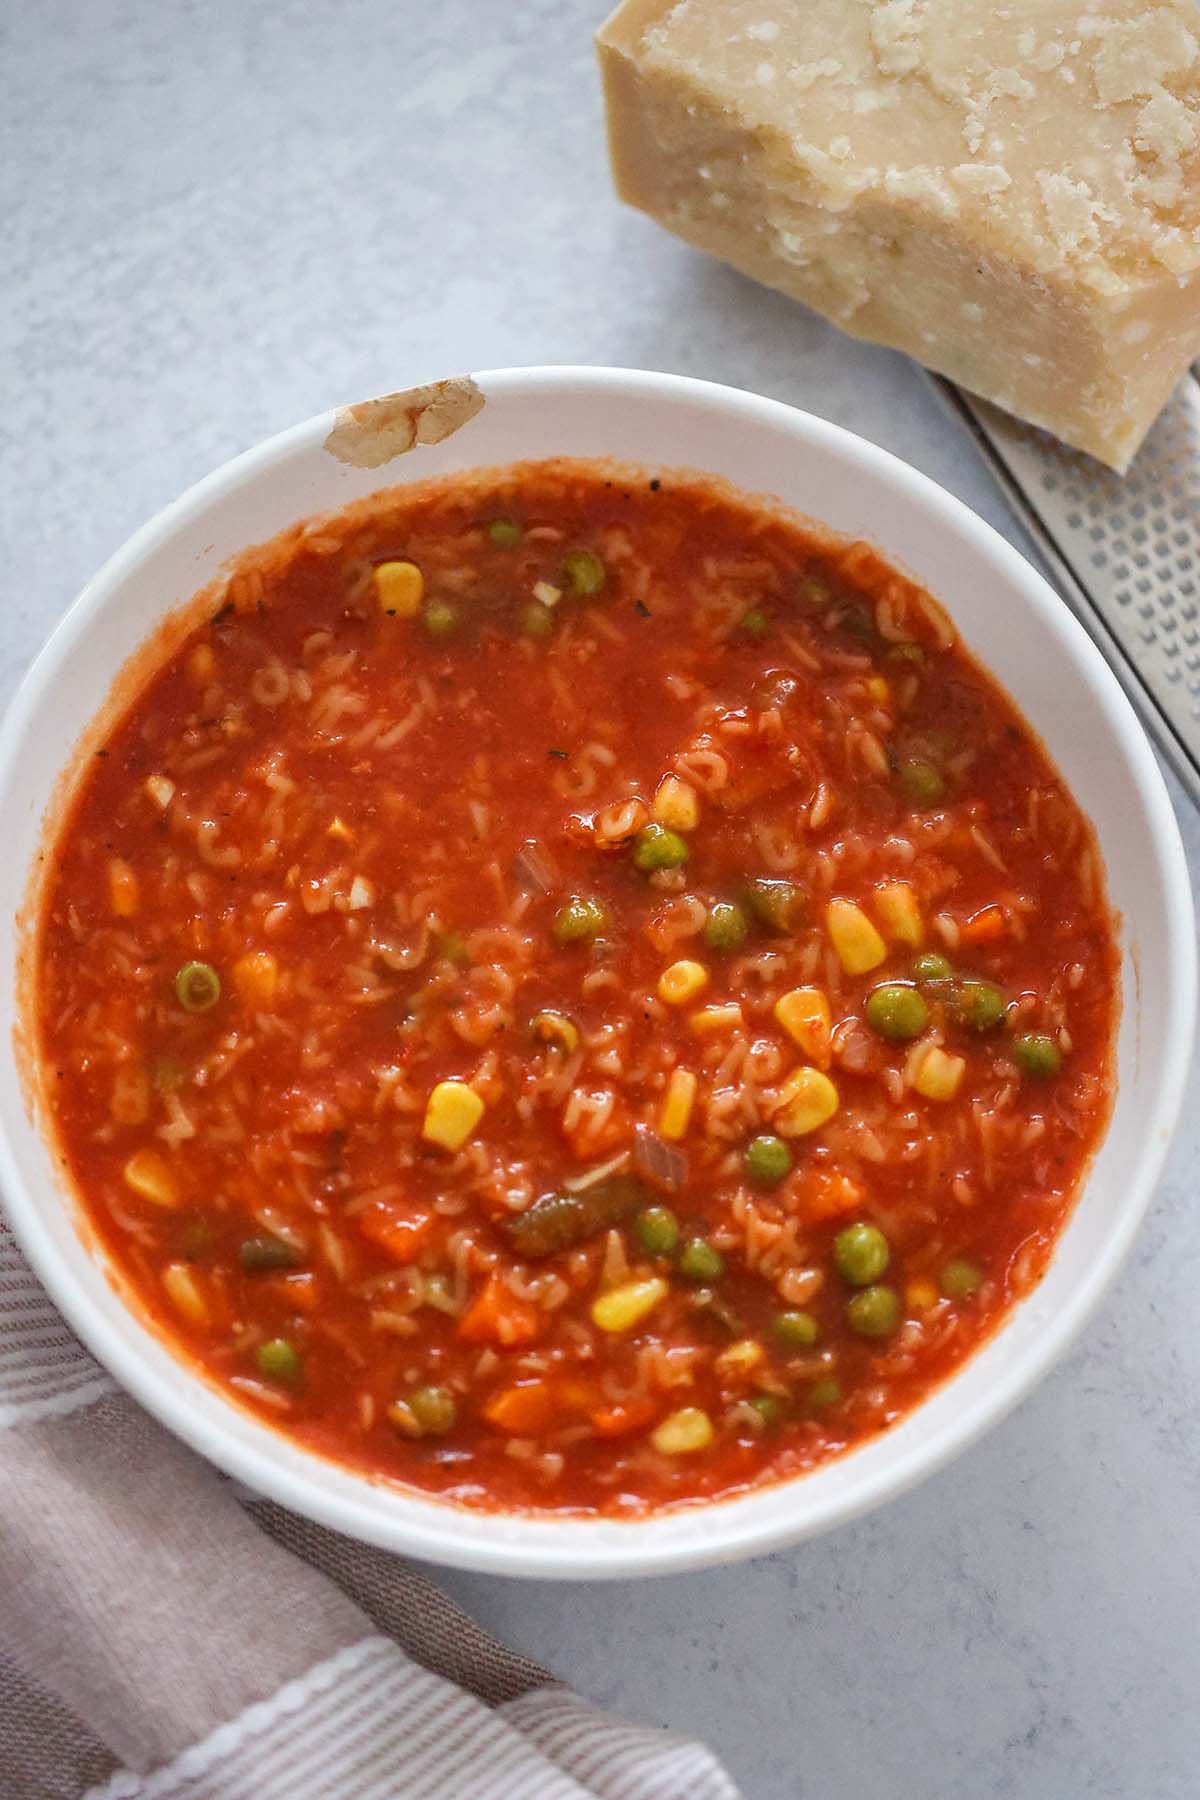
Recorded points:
(161, 1640)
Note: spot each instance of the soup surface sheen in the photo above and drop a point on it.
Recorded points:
(571, 990)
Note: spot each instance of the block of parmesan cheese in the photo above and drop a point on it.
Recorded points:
(1009, 190)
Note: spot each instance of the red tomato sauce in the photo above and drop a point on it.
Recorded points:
(573, 991)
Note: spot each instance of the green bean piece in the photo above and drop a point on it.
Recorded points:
(861, 1253)
(931, 966)
(581, 917)
(726, 927)
(658, 1230)
(504, 532)
(797, 1330)
(434, 1410)
(896, 1012)
(441, 618)
(768, 1408)
(755, 623)
(698, 1261)
(920, 782)
(537, 620)
(583, 572)
(767, 1159)
(960, 1278)
(873, 1312)
(197, 987)
(913, 653)
(658, 847)
(779, 905)
(453, 946)
(267, 1252)
(1037, 1054)
(278, 1360)
(560, 1221)
(979, 1005)
(824, 1393)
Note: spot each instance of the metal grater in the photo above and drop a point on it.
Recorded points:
(1125, 550)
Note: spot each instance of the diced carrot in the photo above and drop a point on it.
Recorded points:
(525, 1410)
(575, 1394)
(615, 1421)
(401, 1234)
(496, 1316)
(828, 1193)
(298, 1290)
(984, 926)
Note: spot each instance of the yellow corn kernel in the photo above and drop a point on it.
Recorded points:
(899, 913)
(682, 982)
(453, 1112)
(148, 1174)
(683, 1432)
(201, 663)
(740, 1358)
(547, 593)
(555, 1028)
(339, 830)
(676, 804)
(879, 690)
(676, 1111)
(804, 1014)
(858, 945)
(920, 1296)
(161, 790)
(624, 1307)
(807, 1100)
(184, 1294)
(708, 1019)
(256, 977)
(122, 888)
(939, 1074)
(399, 588)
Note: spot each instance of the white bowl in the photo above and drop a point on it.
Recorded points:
(1008, 616)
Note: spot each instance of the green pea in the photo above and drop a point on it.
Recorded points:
(896, 1012)
(657, 847)
(920, 782)
(930, 966)
(583, 572)
(755, 623)
(960, 1278)
(768, 1408)
(505, 532)
(861, 1254)
(980, 1005)
(278, 1360)
(537, 620)
(700, 1262)
(197, 987)
(581, 917)
(779, 905)
(825, 1393)
(658, 1230)
(812, 591)
(434, 1410)
(441, 618)
(767, 1159)
(798, 1330)
(873, 1312)
(726, 926)
(453, 946)
(1037, 1054)
(267, 1253)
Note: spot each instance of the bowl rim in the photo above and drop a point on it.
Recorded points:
(433, 1535)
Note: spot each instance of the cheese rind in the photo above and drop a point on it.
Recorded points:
(1011, 195)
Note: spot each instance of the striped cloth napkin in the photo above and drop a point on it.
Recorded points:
(161, 1639)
